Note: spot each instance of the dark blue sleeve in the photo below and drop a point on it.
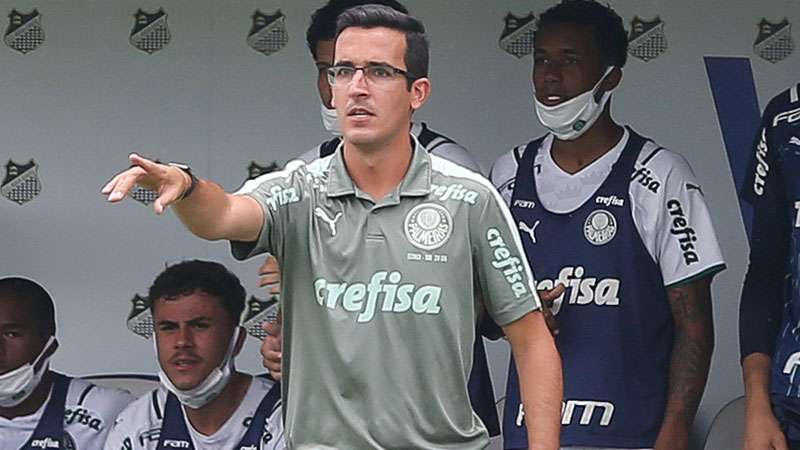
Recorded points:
(763, 294)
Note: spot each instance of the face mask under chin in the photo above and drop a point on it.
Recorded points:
(571, 119)
(211, 386)
(329, 120)
(18, 384)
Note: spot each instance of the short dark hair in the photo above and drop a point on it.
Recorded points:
(36, 298)
(210, 277)
(608, 31)
(373, 16)
(323, 20)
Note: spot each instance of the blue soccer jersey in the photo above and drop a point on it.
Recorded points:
(770, 312)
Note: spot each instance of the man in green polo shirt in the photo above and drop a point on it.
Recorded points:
(384, 247)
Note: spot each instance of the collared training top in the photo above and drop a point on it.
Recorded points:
(379, 300)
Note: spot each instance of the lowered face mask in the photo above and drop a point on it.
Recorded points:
(208, 389)
(570, 119)
(329, 120)
(17, 385)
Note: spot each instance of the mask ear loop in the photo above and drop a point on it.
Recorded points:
(596, 89)
(44, 357)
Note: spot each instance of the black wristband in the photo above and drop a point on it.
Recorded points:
(186, 169)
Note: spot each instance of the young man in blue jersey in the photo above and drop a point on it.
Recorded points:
(621, 223)
(770, 309)
(41, 408)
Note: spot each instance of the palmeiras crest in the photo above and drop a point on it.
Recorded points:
(140, 320)
(150, 31)
(647, 40)
(268, 33)
(257, 312)
(21, 183)
(24, 32)
(255, 170)
(774, 42)
(517, 36)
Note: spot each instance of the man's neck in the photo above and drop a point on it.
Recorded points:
(213, 415)
(380, 169)
(572, 156)
(31, 404)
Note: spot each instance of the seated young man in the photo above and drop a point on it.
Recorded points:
(40, 408)
(203, 402)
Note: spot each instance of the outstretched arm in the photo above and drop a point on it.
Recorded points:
(209, 212)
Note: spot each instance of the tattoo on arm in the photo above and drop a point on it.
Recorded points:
(693, 343)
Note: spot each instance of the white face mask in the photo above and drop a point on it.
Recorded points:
(208, 389)
(329, 120)
(570, 119)
(17, 385)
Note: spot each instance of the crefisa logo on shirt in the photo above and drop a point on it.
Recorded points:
(428, 226)
(685, 234)
(45, 443)
(600, 227)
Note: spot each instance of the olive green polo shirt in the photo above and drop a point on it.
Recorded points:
(380, 300)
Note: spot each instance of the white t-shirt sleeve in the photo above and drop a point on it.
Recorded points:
(504, 172)
(457, 154)
(136, 427)
(90, 413)
(673, 219)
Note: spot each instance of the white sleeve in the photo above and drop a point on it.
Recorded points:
(135, 428)
(275, 428)
(503, 174)
(673, 218)
(457, 154)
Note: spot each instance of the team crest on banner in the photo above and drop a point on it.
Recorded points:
(257, 312)
(21, 183)
(140, 320)
(24, 32)
(143, 195)
(150, 31)
(600, 227)
(647, 40)
(268, 33)
(517, 36)
(255, 170)
(774, 42)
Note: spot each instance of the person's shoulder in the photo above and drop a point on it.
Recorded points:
(144, 411)
(264, 384)
(84, 397)
(438, 144)
(783, 106)
(504, 168)
(656, 163)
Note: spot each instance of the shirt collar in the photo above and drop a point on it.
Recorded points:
(417, 181)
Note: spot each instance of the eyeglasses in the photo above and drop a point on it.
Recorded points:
(376, 73)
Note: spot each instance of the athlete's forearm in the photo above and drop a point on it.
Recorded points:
(693, 344)
(541, 385)
(211, 213)
(756, 372)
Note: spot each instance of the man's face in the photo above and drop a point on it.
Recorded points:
(566, 62)
(192, 336)
(323, 61)
(20, 339)
(371, 114)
